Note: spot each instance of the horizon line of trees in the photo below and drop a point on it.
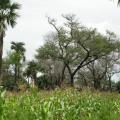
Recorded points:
(74, 54)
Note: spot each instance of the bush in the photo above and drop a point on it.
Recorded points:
(118, 86)
(44, 82)
(10, 85)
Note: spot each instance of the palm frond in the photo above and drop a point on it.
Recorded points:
(18, 47)
(118, 2)
(8, 14)
(15, 6)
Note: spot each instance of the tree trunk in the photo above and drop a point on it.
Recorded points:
(96, 84)
(15, 74)
(71, 75)
(85, 82)
(28, 80)
(62, 76)
(110, 84)
(1, 54)
(72, 80)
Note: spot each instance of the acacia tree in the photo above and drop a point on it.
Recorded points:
(77, 46)
(103, 68)
(8, 16)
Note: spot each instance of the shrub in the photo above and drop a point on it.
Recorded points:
(118, 86)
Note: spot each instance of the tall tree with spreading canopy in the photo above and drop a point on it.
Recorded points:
(8, 16)
(78, 45)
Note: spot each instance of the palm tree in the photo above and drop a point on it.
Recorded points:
(18, 55)
(8, 16)
(18, 47)
(31, 71)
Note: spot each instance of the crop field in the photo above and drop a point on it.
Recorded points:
(60, 105)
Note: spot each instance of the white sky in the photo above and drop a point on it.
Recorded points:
(33, 26)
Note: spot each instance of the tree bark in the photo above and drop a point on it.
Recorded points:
(110, 84)
(1, 53)
(71, 75)
(62, 76)
(97, 84)
(72, 80)
(15, 74)
(63, 71)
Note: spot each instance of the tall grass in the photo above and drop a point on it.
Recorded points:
(61, 105)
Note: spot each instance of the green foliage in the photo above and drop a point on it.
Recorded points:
(2, 92)
(12, 66)
(8, 14)
(15, 58)
(32, 69)
(9, 84)
(62, 105)
(43, 82)
(76, 46)
(49, 50)
(18, 53)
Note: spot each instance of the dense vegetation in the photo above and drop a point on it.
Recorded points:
(74, 55)
(78, 59)
(61, 105)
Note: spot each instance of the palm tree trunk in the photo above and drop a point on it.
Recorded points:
(1, 54)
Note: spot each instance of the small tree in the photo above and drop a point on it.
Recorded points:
(31, 71)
